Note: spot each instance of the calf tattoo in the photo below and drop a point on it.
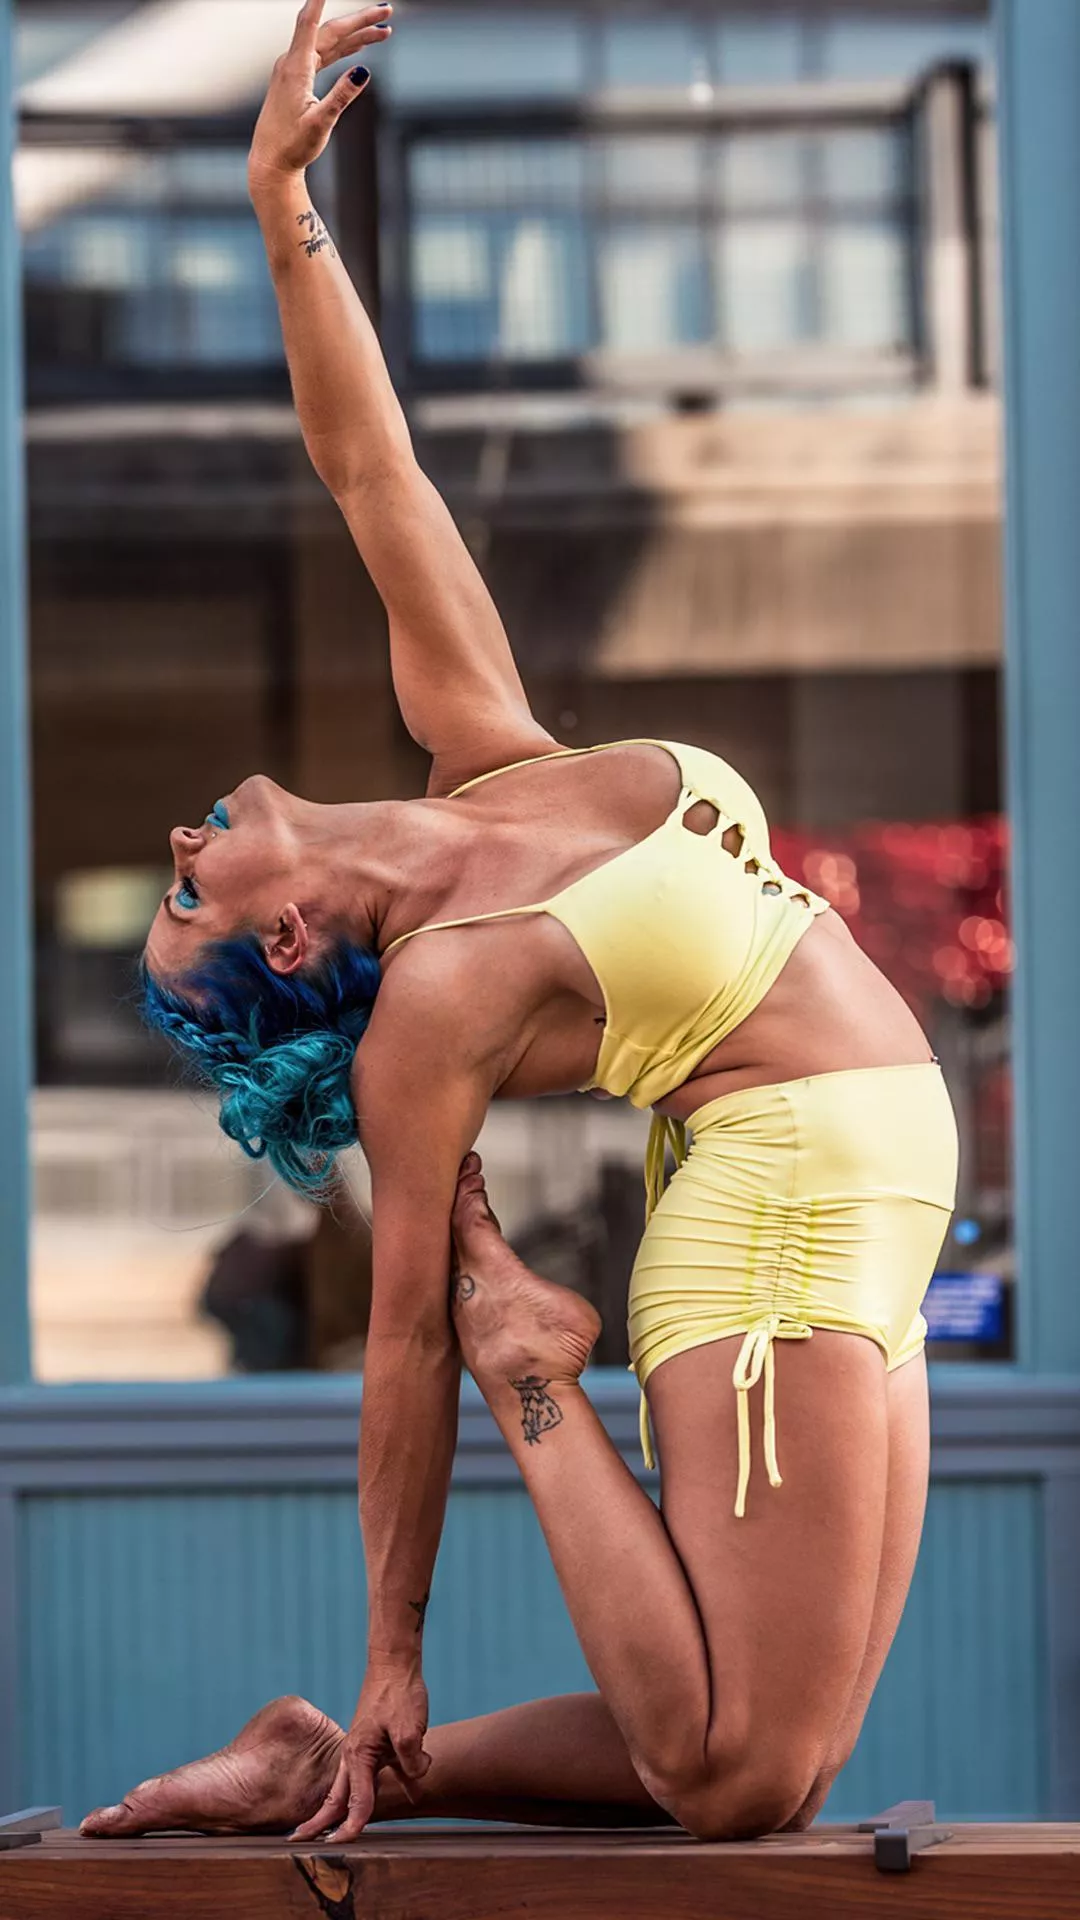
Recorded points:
(420, 1608)
(539, 1412)
(316, 238)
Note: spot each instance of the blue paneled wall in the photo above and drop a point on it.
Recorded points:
(193, 1571)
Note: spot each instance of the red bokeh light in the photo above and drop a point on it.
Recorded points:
(926, 901)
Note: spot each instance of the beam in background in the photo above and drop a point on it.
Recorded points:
(15, 1015)
(1039, 105)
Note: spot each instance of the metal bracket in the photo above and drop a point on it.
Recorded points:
(901, 1831)
(26, 1828)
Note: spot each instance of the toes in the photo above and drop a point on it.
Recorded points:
(471, 1195)
(109, 1822)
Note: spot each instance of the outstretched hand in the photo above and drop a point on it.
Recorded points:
(295, 125)
(387, 1731)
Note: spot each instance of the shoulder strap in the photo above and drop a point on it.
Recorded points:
(539, 906)
(560, 753)
(468, 920)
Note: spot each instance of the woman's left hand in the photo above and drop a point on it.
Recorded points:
(387, 1731)
(295, 125)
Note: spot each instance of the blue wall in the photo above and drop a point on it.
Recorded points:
(195, 1608)
(183, 1555)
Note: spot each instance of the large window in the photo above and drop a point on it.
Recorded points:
(158, 277)
(786, 553)
(642, 243)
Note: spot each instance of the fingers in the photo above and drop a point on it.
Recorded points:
(356, 43)
(343, 93)
(411, 1763)
(307, 26)
(333, 1808)
(361, 1803)
(339, 39)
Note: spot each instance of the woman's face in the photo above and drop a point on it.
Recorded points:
(232, 875)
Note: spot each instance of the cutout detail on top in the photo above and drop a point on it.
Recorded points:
(702, 818)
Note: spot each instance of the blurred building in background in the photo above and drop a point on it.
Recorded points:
(694, 316)
(694, 313)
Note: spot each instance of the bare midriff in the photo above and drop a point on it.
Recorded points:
(830, 1011)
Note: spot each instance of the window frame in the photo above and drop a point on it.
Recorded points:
(712, 368)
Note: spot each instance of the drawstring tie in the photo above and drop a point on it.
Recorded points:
(756, 1355)
(663, 1133)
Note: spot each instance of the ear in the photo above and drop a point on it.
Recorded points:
(288, 948)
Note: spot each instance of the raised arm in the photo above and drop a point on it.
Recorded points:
(454, 674)
(420, 1106)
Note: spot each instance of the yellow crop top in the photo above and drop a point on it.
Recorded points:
(685, 938)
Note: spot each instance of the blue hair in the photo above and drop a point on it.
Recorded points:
(277, 1050)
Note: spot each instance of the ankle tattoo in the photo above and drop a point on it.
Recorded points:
(539, 1412)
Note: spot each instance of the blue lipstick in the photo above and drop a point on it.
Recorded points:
(218, 816)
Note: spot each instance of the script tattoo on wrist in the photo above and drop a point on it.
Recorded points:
(420, 1608)
(316, 237)
(539, 1412)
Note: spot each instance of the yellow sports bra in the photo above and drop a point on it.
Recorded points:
(685, 937)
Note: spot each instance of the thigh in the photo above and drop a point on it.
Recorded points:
(908, 1414)
(786, 1594)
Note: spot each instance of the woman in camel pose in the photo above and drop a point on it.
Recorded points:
(545, 919)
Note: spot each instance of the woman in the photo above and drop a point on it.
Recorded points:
(545, 920)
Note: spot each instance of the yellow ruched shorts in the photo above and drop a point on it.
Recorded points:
(821, 1202)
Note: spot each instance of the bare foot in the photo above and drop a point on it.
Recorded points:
(274, 1775)
(512, 1325)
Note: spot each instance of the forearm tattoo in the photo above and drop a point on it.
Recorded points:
(316, 237)
(539, 1412)
(420, 1608)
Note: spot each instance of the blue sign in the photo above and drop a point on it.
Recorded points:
(965, 1306)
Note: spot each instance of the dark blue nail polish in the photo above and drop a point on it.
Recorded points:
(360, 76)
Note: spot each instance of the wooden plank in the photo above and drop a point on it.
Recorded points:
(983, 1873)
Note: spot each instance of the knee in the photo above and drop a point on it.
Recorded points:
(742, 1798)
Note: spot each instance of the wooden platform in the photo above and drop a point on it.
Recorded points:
(1030, 1872)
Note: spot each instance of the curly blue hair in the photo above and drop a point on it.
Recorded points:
(277, 1050)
